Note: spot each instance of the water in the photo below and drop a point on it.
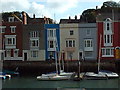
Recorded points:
(31, 82)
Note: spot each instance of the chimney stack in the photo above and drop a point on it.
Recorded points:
(34, 16)
(75, 17)
(96, 7)
(24, 18)
(69, 17)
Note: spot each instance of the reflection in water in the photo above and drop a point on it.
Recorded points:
(31, 82)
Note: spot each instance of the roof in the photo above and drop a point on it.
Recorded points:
(69, 21)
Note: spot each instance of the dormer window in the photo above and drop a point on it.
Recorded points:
(11, 19)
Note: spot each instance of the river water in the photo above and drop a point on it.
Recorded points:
(31, 82)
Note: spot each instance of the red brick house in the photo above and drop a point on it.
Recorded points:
(11, 34)
(108, 25)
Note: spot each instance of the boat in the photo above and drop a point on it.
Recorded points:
(53, 78)
(109, 74)
(4, 75)
(98, 75)
(13, 73)
(58, 74)
(94, 76)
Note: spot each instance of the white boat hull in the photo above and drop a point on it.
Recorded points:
(53, 78)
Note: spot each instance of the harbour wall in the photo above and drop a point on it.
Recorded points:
(39, 67)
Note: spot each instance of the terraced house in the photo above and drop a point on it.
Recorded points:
(88, 41)
(52, 35)
(11, 38)
(34, 39)
(109, 35)
(69, 38)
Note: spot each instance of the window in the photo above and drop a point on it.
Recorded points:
(88, 32)
(13, 28)
(34, 43)
(2, 29)
(88, 43)
(70, 43)
(51, 32)
(34, 34)
(11, 19)
(8, 53)
(66, 43)
(34, 54)
(15, 53)
(10, 41)
(108, 40)
(71, 32)
(51, 44)
(107, 52)
(108, 26)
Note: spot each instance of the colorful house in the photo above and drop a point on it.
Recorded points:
(34, 39)
(52, 38)
(69, 38)
(88, 41)
(11, 38)
(108, 36)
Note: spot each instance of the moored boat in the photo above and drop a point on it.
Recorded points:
(109, 74)
(53, 78)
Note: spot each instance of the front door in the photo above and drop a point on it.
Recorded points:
(25, 56)
(81, 55)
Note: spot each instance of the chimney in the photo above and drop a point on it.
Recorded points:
(69, 17)
(34, 16)
(24, 18)
(96, 7)
(75, 17)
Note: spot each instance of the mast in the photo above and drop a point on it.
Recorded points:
(99, 53)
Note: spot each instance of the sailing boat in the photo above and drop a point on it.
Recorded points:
(92, 75)
(58, 75)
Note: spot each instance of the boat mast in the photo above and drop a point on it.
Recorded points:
(99, 53)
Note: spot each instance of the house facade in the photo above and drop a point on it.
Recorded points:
(34, 38)
(11, 39)
(108, 36)
(52, 35)
(88, 41)
(69, 42)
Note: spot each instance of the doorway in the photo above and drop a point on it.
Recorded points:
(81, 55)
(25, 56)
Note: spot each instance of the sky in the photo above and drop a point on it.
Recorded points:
(55, 9)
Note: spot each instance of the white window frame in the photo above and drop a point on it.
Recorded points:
(2, 29)
(8, 53)
(36, 42)
(88, 45)
(51, 33)
(16, 51)
(105, 54)
(108, 34)
(34, 34)
(13, 39)
(34, 54)
(11, 19)
(70, 43)
(13, 29)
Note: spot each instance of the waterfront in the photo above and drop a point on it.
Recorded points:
(31, 82)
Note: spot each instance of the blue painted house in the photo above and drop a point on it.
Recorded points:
(52, 41)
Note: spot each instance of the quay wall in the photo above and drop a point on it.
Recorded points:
(39, 67)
